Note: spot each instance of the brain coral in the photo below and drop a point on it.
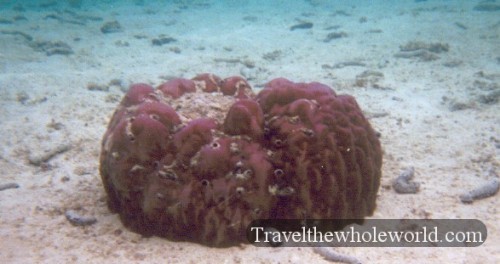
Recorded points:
(198, 160)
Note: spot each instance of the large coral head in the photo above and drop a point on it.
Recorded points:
(198, 160)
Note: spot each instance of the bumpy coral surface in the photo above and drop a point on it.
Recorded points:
(178, 165)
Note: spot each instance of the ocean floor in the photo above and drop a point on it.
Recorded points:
(426, 74)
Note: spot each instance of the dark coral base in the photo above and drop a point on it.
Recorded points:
(293, 151)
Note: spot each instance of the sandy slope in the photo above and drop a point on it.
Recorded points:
(45, 104)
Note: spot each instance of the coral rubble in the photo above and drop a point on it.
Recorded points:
(162, 40)
(78, 220)
(404, 184)
(52, 48)
(302, 25)
(487, 6)
(334, 35)
(487, 190)
(111, 27)
(10, 185)
(181, 166)
(422, 50)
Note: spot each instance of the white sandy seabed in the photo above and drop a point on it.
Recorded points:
(437, 112)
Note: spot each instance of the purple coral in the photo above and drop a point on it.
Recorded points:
(295, 150)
